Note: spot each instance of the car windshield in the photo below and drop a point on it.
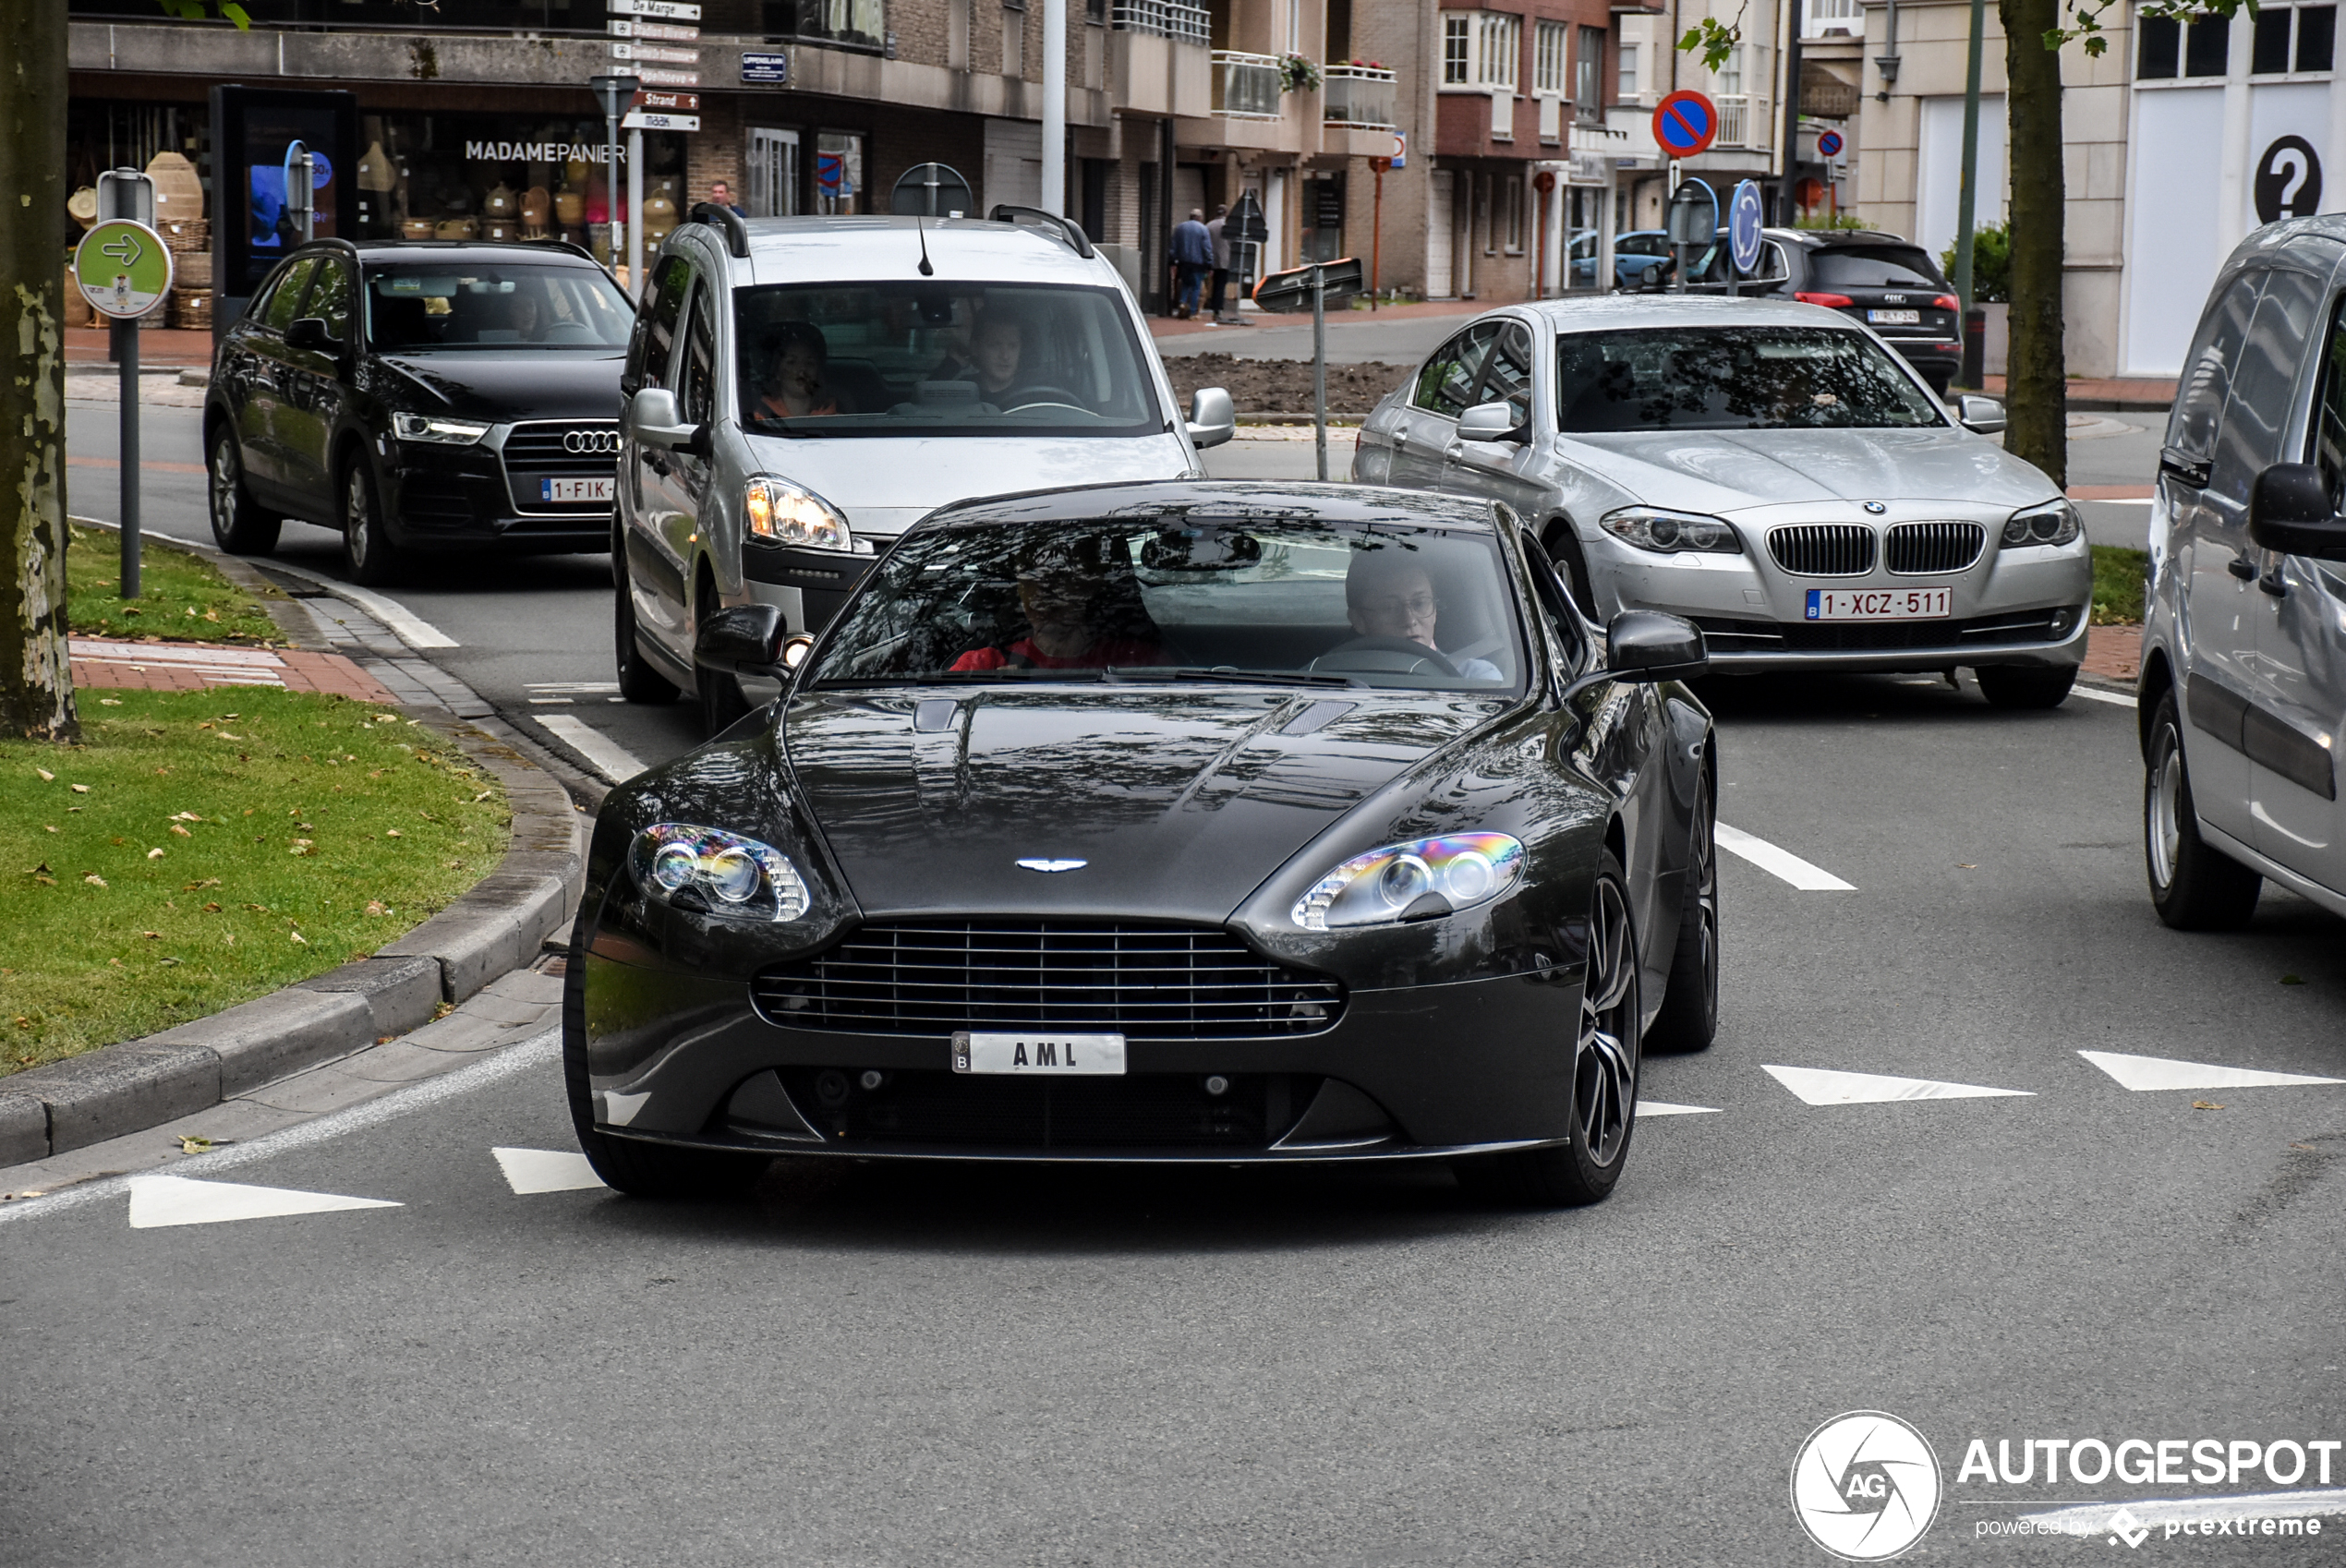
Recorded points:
(941, 360)
(1874, 266)
(1733, 379)
(1184, 596)
(500, 306)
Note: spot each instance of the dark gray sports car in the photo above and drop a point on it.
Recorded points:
(1184, 821)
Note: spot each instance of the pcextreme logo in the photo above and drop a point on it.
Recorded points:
(1866, 1486)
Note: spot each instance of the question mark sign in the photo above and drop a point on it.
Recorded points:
(2288, 181)
(2294, 162)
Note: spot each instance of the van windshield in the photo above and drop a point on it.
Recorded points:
(937, 358)
(1733, 379)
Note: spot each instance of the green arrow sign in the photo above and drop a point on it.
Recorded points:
(123, 267)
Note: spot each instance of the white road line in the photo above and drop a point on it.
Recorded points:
(2094, 694)
(545, 1170)
(605, 756)
(404, 624)
(1823, 1086)
(1663, 1108)
(1781, 864)
(158, 1200)
(2159, 1072)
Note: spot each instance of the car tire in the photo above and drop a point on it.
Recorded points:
(2193, 885)
(1563, 551)
(368, 557)
(238, 524)
(2020, 686)
(1583, 1168)
(638, 681)
(639, 1170)
(1688, 1020)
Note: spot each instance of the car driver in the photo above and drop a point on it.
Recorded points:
(1387, 594)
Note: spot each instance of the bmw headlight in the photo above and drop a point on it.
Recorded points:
(783, 513)
(1667, 532)
(2055, 523)
(713, 872)
(437, 429)
(1419, 880)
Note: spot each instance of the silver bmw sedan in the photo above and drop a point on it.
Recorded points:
(1770, 470)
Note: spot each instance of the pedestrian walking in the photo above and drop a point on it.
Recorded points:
(1221, 242)
(1193, 259)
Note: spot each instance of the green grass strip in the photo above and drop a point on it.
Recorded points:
(2118, 584)
(181, 596)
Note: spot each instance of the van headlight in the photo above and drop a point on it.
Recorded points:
(710, 871)
(2055, 523)
(780, 512)
(1419, 880)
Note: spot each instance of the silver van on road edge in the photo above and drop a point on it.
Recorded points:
(801, 390)
(2242, 695)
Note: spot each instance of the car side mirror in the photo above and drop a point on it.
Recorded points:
(1645, 645)
(1214, 419)
(654, 419)
(310, 336)
(1490, 422)
(751, 639)
(1980, 416)
(2289, 511)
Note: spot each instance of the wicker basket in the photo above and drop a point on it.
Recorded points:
(178, 189)
(192, 269)
(190, 309)
(184, 235)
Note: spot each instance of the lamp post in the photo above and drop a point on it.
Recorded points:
(1967, 204)
(612, 94)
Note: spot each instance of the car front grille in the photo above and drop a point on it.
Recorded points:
(542, 450)
(1143, 982)
(1724, 636)
(1145, 1110)
(1915, 547)
(1824, 549)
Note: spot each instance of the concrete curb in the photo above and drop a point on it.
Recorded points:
(497, 927)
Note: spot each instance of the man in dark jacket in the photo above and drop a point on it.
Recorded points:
(1193, 259)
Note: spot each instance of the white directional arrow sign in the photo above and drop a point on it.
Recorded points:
(2157, 1072)
(1820, 1086)
(157, 1200)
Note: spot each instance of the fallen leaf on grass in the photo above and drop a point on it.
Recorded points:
(375, 907)
(46, 776)
(200, 886)
(152, 936)
(46, 828)
(109, 702)
(184, 816)
(300, 938)
(181, 831)
(441, 1010)
(79, 789)
(168, 963)
(154, 854)
(94, 879)
(388, 833)
(2205, 1105)
(212, 909)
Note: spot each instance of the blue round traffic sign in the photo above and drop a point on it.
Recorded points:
(1829, 144)
(1743, 226)
(1684, 123)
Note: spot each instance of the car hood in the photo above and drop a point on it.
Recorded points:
(886, 484)
(1725, 471)
(563, 384)
(1178, 804)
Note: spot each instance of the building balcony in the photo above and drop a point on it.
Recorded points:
(1357, 97)
(1247, 87)
(1163, 19)
(1735, 120)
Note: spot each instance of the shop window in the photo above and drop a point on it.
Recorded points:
(1511, 208)
(2317, 37)
(854, 24)
(839, 172)
(2161, 50)
(773, 173)
(2207, 47)
(2269, 54)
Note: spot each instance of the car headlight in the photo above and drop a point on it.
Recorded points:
(437, 429)
(785, 514)
(2055, 523)
(713, 872)
(1667, 532)
(1419, 880)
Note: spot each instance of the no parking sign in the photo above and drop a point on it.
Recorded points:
(1684, 123)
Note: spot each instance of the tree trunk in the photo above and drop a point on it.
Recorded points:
(36, 681)
(2037, 393)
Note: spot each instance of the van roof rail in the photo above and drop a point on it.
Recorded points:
(1070, 230)
(725, 218)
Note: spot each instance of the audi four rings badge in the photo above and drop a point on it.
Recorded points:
(587, 442)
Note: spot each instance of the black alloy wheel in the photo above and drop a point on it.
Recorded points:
(238, 525)
(640, 1170)
(369, 556)
(638, 681)
(1583, 1168)
(2020, 686)
(1689, 1017)
(2193, 886)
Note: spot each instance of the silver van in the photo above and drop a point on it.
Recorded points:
(2242, 695)
(801, 390)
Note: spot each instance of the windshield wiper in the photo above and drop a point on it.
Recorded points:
(1227, 675)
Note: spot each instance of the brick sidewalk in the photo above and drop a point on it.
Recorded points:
(195, 666)
(2140, 392)
(2114, 653)
(157, 346)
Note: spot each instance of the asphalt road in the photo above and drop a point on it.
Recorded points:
(871, 1366)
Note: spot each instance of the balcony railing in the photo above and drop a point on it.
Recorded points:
(1357, 95)
(1246, 87)
(1165, 18)
(1735, 118)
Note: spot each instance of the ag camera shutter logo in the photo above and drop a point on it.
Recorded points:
(1866, 1486)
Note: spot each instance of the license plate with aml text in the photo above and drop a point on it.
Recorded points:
(1894, 317)
(1880, 604)
(1080, 1056)
(573, 489)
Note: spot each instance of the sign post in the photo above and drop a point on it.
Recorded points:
(1691, 219)
(1743, 232)
(613, 94)
(123, 270)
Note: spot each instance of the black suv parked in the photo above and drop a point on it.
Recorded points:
(420, 396)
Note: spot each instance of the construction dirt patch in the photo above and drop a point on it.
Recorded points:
(1284, 386)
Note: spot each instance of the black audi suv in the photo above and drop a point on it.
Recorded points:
(420, 396)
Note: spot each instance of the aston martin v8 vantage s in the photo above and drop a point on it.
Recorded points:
(1161, 822)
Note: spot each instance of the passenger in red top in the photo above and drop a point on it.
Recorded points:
(1066, 588)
